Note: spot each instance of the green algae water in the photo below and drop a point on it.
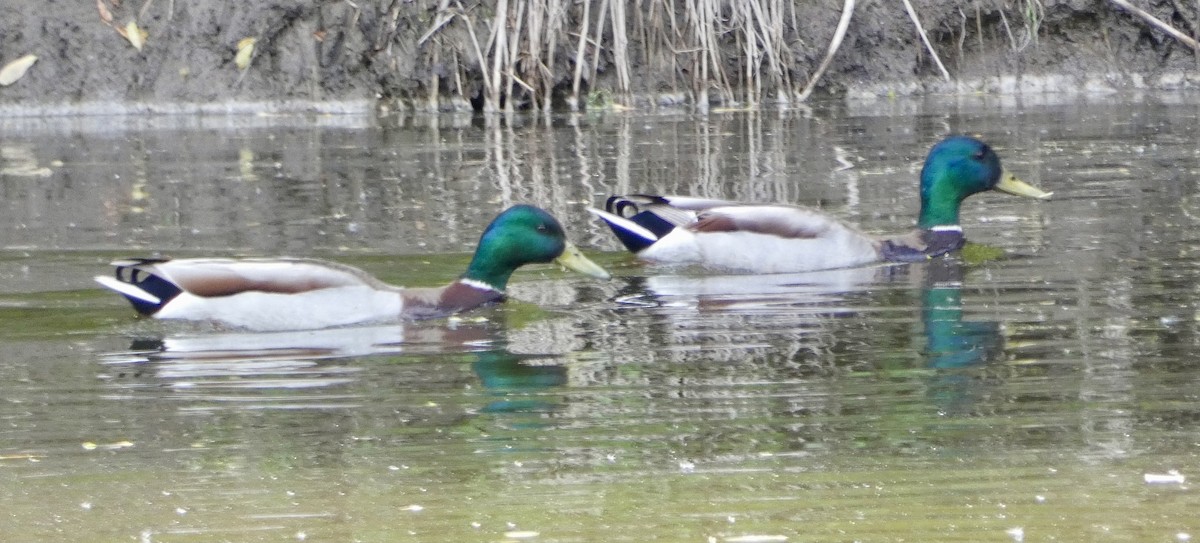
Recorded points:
(1040, 386)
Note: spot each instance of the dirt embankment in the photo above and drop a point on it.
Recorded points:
(168, 55)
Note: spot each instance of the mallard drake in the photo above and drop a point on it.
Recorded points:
(733, 236)
(288, 293)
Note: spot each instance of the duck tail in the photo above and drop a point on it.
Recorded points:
(633, 236)
(139, 283)
(637, 231)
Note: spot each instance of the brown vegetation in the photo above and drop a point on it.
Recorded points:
(506, 55)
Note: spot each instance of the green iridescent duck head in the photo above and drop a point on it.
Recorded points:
(958, 167)
(524, 234)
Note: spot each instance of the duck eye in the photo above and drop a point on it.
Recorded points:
(542, 228)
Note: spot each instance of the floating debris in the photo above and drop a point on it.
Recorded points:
(1170, 477)
(29, 457)
(245, 50)
(16, 69)
(91, 446)
(135, 34)
(105, 15)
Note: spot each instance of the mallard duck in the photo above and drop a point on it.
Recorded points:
(288, 293)
(732, 236)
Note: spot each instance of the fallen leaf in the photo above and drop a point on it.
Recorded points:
(105, 14)
(135, 35)
(245, 49)
(15, 70)
(319, 35)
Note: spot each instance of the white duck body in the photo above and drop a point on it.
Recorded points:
(340, 306)
(798, 240)
(727, 236)
(269, 294)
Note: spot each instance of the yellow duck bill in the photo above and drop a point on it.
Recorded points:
(1011, 185)
(573, 259)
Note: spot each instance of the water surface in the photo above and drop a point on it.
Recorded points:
(1042, 386)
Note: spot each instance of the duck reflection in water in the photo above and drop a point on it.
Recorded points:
(516, 382)
(952, 345)
(206, 364)
(819, 316)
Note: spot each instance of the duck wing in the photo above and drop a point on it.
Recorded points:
(789, 222)
(224, 277)
(150, 284)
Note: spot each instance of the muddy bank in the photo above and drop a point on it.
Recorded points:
(343, 56)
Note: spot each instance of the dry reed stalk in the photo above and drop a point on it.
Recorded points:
(1012, 40)
(620, 48)
(1159, 24)
(720, 79)
(530, 66)
(751, 74)
(660, 33)
(747, 48)
(704, 17)
(784, 53)
(444, 16)
(599, 40)
(520, 50)
(656, 25)
(431, 103)
(580, 60)
(912, 14)
(555, 16)
(770, 32)
(978, 26)
(461, 95)
(699, 21)
(497, 42)
(1033, 12)
(838, 35)
(640, 30)
(512, 55)
(479, 57)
